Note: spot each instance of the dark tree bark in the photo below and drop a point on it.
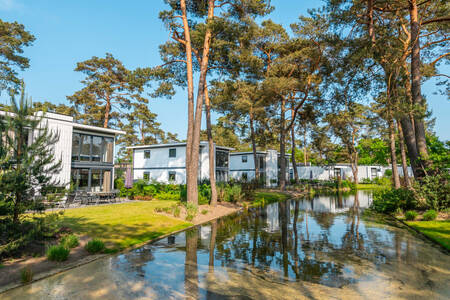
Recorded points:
(416, 83)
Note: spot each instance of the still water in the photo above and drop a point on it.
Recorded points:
(321, 248)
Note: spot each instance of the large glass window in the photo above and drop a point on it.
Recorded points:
(96, 148)
(94, 180)
(108, 151)
(76, 141)
(85, 152)
(221, 159)
(92, 148)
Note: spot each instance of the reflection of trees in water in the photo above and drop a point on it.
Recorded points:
(191, 269)
(352, 239)
(138, 259)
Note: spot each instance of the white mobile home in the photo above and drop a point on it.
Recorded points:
(242, 166)
(344, 171)
(167, 162)
(86, 152)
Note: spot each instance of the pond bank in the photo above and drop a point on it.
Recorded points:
(322, 247)
(122, 228)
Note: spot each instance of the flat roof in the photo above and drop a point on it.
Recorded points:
(98, 129)
(181, 144)
(69, 119)
(247, 153)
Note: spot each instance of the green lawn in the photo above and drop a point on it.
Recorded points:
(122, 225)
(370, 186)
(438, 231)
(261, 198)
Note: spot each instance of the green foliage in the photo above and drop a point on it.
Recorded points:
(70, 241)
(57, 253)
(435, 190)
(439, 152)
(14, 38)
(392, 200)
(372, 151)
(410, 215)
(26, 167)
(26, 275)
(95, 246)
(177, 211)
(430, 215)
(204, 211)
(16, 237)
(191, 210)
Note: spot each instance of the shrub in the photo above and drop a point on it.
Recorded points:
(177, 211)
(204, 211)
(191, 210)
(383, 181)
(391, 200)
(410, 215)
(430, 215)
(434, 190)
(57, 253)
(95, 246)
(26, 275)
(70, 241)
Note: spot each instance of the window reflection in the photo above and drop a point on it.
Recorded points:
(92, 148)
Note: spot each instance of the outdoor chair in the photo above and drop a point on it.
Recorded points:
(94, 199)
(69, 200)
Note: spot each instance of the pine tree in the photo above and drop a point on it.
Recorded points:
(25, 160)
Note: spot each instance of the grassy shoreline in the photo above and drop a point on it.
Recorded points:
(437, 231)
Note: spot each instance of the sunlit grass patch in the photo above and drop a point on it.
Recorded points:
(122, 225)
(438, 231)
(263, 198)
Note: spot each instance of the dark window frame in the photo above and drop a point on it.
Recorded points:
(244, 158)
(145, 154)
(172, 152)
(146, 174)
(172, 176)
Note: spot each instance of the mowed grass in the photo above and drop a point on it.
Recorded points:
(438, 231)
(122, 225)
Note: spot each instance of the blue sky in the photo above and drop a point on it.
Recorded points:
(68, 32)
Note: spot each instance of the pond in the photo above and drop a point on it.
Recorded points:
(316, 248)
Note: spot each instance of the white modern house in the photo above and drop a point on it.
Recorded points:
(166, 163)
(344, 171)
(242, 166)
(86, 152)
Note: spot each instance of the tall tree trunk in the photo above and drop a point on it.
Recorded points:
(282, 145)
(294, 162)
(393, 152)
(416, 83)
(410, 140)
(107, 112)
(192, 187)
(253, 138)
(212, 156)
(401, 142)
(190, 85)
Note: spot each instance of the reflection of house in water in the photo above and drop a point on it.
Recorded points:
(337, 203)
(273, 222)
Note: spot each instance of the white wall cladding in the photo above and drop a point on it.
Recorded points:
(61, 125)
(327, 172)
(160, 164)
